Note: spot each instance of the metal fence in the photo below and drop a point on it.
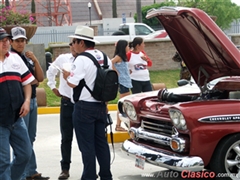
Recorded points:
(46, 35)
(59, 34)
(234, 29)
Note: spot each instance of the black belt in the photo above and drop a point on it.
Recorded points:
(90, 102)
(66, 98)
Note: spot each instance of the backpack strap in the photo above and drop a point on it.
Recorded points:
(90, 56)
(105, 62)
(111, 136)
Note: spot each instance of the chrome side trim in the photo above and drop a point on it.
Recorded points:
(163, 158)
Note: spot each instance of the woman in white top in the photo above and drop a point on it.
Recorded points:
(138, 63)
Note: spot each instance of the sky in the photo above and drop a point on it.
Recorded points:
(236, 2)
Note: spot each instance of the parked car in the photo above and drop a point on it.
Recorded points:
(129, 31)
(190, 128)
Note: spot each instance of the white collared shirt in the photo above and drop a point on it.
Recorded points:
(52, 72)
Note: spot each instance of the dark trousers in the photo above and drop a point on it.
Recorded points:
(89, 123)
(141, 86)
(66, 128)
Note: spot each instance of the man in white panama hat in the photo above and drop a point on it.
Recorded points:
(89, 115)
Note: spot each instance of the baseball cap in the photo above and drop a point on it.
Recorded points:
(18, 32)
(3, 33)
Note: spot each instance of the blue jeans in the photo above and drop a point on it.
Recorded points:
(31, 123)
(89, 120)
(16, 136)
(66, 128)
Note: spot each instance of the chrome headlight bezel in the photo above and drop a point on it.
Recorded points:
(120, 107)
(130, 111)
(177, 119)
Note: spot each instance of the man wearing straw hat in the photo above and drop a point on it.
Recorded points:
(89, 115)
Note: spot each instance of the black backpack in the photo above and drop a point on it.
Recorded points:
(106, 82)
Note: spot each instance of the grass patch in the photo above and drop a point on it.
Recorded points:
(169, 77)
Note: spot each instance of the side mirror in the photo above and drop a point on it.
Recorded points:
(183, 82)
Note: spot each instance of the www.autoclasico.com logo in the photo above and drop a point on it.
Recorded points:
(186, 174)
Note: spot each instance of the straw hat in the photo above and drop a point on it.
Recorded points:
(84, 33)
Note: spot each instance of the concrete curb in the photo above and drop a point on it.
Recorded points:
(118, 137)
(56, 110)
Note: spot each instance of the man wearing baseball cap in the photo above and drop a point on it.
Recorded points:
(15, 88)
(18, 43)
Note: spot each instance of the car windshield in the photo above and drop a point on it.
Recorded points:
(212, 83)
(215, 81)
(142, 30)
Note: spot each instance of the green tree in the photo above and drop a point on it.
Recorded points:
(225, 11)
(153, 21)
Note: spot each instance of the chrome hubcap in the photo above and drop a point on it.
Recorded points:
(232, 161)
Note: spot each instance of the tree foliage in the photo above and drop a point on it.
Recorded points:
(225, 11)
(153, 21)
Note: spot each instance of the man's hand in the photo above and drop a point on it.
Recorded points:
(56, 92)
(25, 108)
(30, 55)
(65, 74)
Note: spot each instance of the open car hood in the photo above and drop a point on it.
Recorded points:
(205, 49)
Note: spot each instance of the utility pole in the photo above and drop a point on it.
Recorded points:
(49, 12)
(139, 11)
(33, 10)
(7, 3)
(114, 8)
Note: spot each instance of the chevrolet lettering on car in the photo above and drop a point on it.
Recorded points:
(232, 118)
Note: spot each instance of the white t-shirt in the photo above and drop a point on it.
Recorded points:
(84, 68)
(138, 66)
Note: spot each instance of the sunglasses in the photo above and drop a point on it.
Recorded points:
(70, 44)
(74, 41)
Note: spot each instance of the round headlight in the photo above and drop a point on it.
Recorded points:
(182, 120)
(175, 118)
(130, 110)
(178, 119)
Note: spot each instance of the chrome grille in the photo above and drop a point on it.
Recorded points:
(156, 126)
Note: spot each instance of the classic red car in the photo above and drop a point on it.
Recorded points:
(190, 129)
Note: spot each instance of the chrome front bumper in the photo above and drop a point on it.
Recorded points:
(163, 158)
